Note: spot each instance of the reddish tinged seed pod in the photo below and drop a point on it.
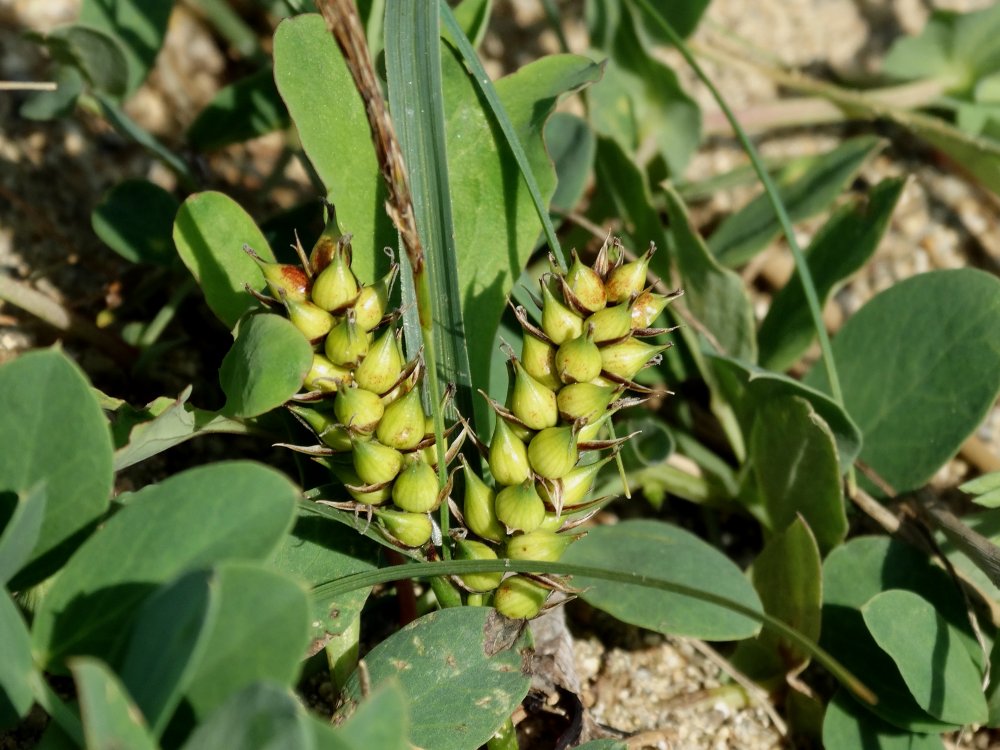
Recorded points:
(647, 308)
(519, 598)
(282, 278)
(519, 508)
(628, 279)
(553, 452)
(532, 402)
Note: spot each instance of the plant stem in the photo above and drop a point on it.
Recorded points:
(505, 737)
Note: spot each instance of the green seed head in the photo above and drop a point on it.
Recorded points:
(519, 598)
(647, 308)
(335, 287)
(346, 344)
(578, 360)
(359, 409)
(313, 321)
(585, 401)
(625, 359)
(324, 375)
(410, 529)
(380, 370)
(553, 452)
(478, 508)
(403, 423)
(558, 321)
(539, 359)
(628, 279)
(586, 284)
(468, 549)
(610, 323)
(519, 508)
(532, 402)
(416, 488)
(376, 463)
(546, 546)
(508, 455)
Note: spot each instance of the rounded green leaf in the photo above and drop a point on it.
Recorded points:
(919, 367)
(931, 658)
(138, 25)
(260, 716)
(40, 394)
(666, 552)
(135, 219)
(265, 366)
(20, 535)
(98, 54)
(209, 232)
(848, 725)
(572, 145)
(193, 519)
(16, 666)
(110, 719)
(248, 108)
(259, 634)
(367, 728)
(461, 671)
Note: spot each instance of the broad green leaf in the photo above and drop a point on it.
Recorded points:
(641, 98)
(572, 145)
(209, 232)
(747, 387)
(161, 425)
(985, 490)
(787, 577)
(16, 666)
(135, 219)
(319, 550)
(262, 716)
(460, 688)
(259, 635)
(666, 552)
(49, 105)
(111, 719)
(844, 244)
(496, 226)
(265, 366)
(919, 367)
(248, 108)
(795, 464)
(193, 519)
(100, 56)
(139, 26)
(382, 721)
(807, 187)
(330, 117)
(944, 682)
(854, 573)
(168, 639)
(715, 295)
(41, 393)
(20, 535)
(848, 725)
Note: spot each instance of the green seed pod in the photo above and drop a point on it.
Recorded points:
(586, 284)
(578, 360)
(283, 279)
(626, 358)
(416, 488)
(325, 376)
(380, 370)
(553, 453)
(372, 497)
(558, 321)
(346, 344)
(335, 287)
(404, 421)
(479, 508)
(332, 433)
(410, 529)
(372, 302)
(376, 463)
(532, 402)
(508, 455)
(575, 486)
(647, 308)
(585, 401)
(313, 321)
(628, 279)
(539, 359)
(519, 598)
(467, 549)
(519, 508)
(359, 409)
(610, 323)
(545, 546)
(329, 242)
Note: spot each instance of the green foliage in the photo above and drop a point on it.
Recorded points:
(134, 219)
(110, 718)
(248, 108)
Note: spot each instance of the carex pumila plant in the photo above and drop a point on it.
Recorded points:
(575, 370)
(361, 398)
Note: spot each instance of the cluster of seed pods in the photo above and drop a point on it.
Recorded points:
(362, 399)
(550, 440)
